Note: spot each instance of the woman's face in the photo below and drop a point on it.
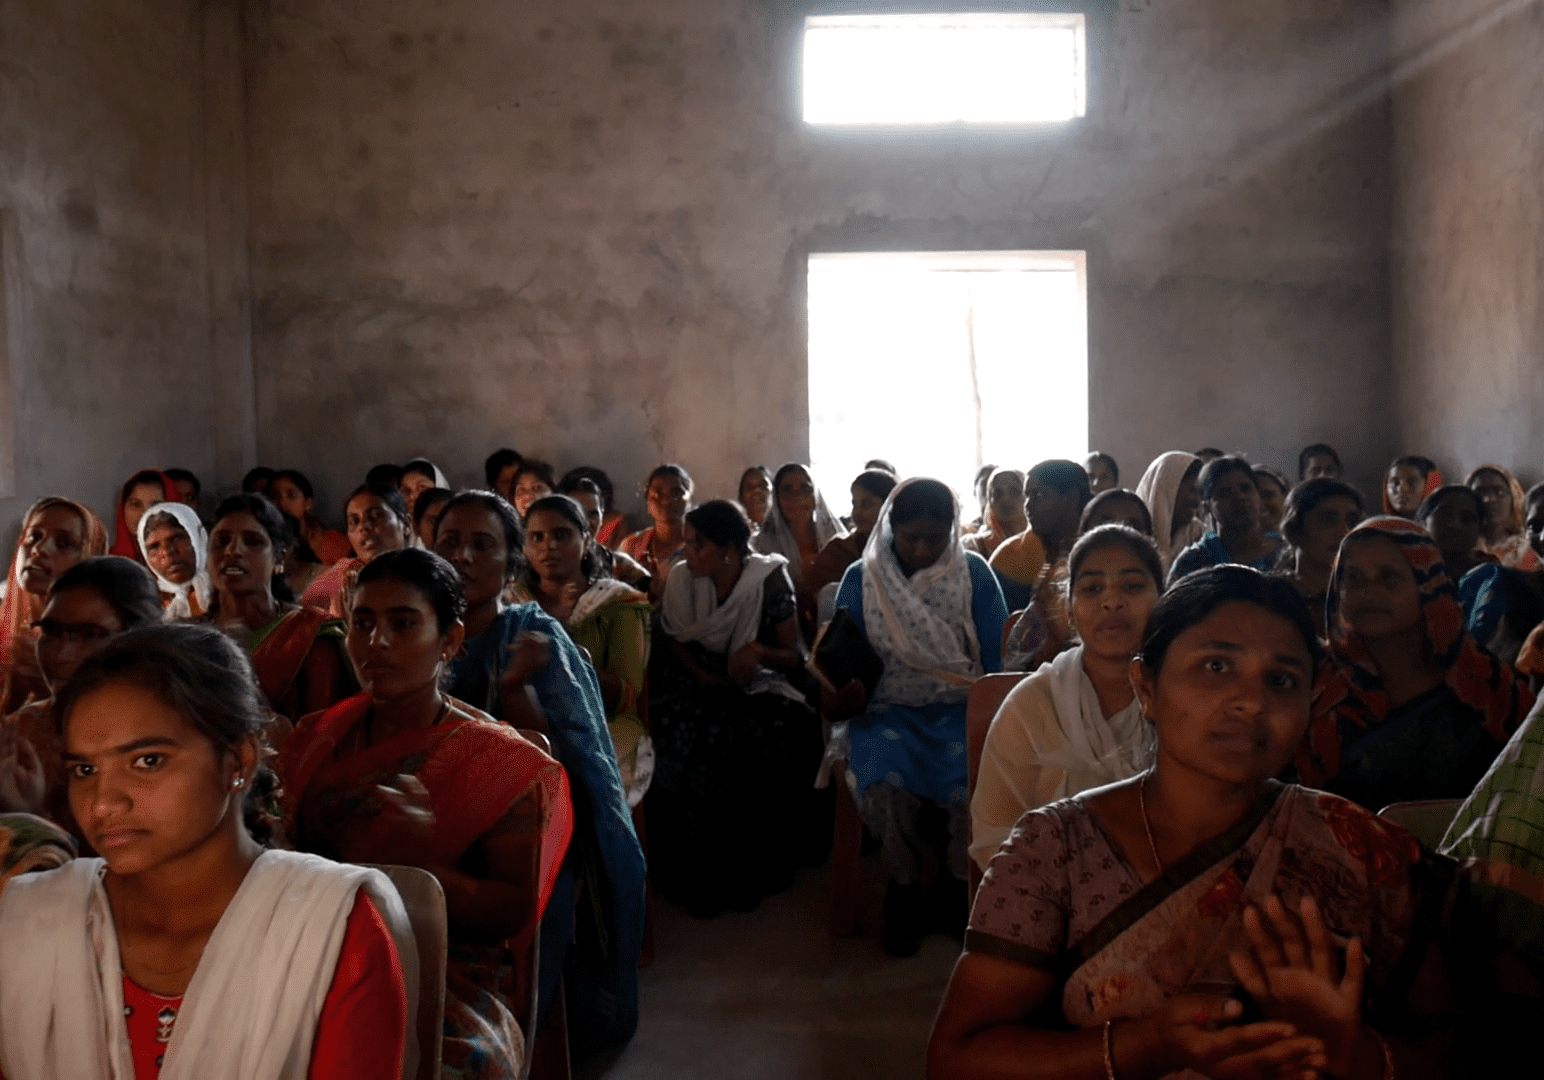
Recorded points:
(1455, 526)
(703, 557)
(593, 513)
(1406, 488)
(1235, 500)
(141, 497)
(146, 786)
(1005, 500)
(373, 529)
(668, 500)
(394, 642)
(1050, 512)
(1496, 494)
(1112, 596)
(865, 510)
(412, 485)
(1273, 502)
(75, 624)
(53, 541)
(504, 484)
(242, 559)
(1378, 592)
(1100, 478)
(169, 552)
(921, 542)
(1326, 525)
(1533, 526)
(1321, 465)
(1231, 701)
(472, 540)
(756, 496)
(290, 499)
(1187, 500)
(429, 523)
(528, 488)
(796, 496)
(554, 546)
(1128, 512)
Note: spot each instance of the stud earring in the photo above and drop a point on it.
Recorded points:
(237, 782)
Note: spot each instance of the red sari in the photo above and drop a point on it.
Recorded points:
(329, 592)
(300, 665)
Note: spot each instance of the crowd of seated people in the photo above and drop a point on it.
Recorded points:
(1225, 676)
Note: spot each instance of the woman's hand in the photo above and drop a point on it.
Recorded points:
(1193, 1032)
(851, 700)
(528, 655)
(23, 782)
(744, 661)
(1292, 969)
(403, 831)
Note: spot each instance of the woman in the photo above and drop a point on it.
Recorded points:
(869, 492)
(797, 527)
(300, 568)
(403, 773)
(1502, 534)
(1005, 515)
(1116, 506)
(426, 514)
(1454, 515)
(1114, 932)
(377, 522)
(1409, 481)
(499, 471)
(176, 549)
(138, 494)
(934, 614)
(518, 665)
(658, 548)
(1319, 515)
(756, 493)
(1075, 724)
(1232, 498)
(1168, 487)
(1273, 486)
(609, 620)
(613, 527)
(592, 500)
(733, 808)
(1318, 460)
(1054, 497)
(187, 942)
(1103, 473)
(90, 603)
(297, 652)
(1408, 707)
(1505, 608)
(292, 493)
(418, 476)
(533, 480)
(55, 535)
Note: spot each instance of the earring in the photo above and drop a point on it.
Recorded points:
(238, 782)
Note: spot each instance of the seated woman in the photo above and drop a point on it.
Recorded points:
(756, 494)
(499, 471)
(658, 548)
(1408, 707)
(378, 522)
(426, 514)
(188, 947)
(1116, 931)
(1454, 516)
(90, 603)
(1228, 488)
(1103, 473)
(1502, 532)
(418, 476)
(297, 652)
(533, 480)
(1274, 487)
(176, 549)
(613, 527)
(1075, 724)
(1504, 607)
(292, 493)
(189, 488)
(1318, 460)
(934, 614)
(733, 807)
(869, 492)
(1168, 487)
(797, 527)
(1319, 515)
(587, 493)
(1409, 480)
(1005, 517)
(566, 574)
(403, 773)
(139, 493)
(1054, 497)
(518, 665)
(55, 535)
(257, 480)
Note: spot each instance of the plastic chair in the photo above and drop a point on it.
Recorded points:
(425, 903)
(986, 697)
(1427, 820)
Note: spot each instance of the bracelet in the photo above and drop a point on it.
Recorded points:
(1109, 1055)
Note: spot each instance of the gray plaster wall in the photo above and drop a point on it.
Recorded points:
(106, 321)
(581, 229)
(1468, 233)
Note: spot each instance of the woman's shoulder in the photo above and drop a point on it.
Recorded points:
(1020, 557)
(637, 542)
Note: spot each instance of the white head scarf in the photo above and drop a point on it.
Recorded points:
(1158, 488)
(776, 538)
(690, 611)
(198, 585)
(922, 626)
(439, 477)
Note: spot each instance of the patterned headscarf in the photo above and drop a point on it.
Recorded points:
(1350, 687)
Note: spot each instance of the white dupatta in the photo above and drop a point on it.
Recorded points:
(250, 1012)
(776, 538)
(1157, 488)
(691, 612)
(198, 585)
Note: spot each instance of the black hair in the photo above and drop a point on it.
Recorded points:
(924, 498)
(591, 564)
(1423, 465)
(425, 571)
(145, 476)
(262, 474)
(882, 465)
(272, 522)
(595, 475)
(1306, 497)
(1442, 494)
(127, 586)
(675, 472)
(876, 482)
(385, 475)
(572, 485)
(508, 519)
(1062, 476)
(723, 523)
(1207, 453)
(1107, 461)
(1195, 596)
(1213, 472)
(1116, 535)
(757, 470)
(206, 677)
(388, 494)
(296, 477)
(1104, 498)
(983, 474)
(303, 550)
(164, 517)
(497, 462)
(1275, 474)
(1315, 450)
(539, 469)
(185, 474)
(427, 501)
(421, 466)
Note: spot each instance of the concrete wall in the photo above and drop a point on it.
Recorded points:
(1468, 235)
(581, 229)
(101, 191)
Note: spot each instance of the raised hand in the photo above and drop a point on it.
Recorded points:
(1196, 1032)
(23, 782)
(528, 655)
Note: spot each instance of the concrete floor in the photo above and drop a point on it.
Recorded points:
(771, 995)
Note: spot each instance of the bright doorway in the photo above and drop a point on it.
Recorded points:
(941, 362)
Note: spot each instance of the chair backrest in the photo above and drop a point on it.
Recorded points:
(986, 697)
(425, 902)
(1427, 820)
(536, 739)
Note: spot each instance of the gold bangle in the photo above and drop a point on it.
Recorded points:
(1109, 1055)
